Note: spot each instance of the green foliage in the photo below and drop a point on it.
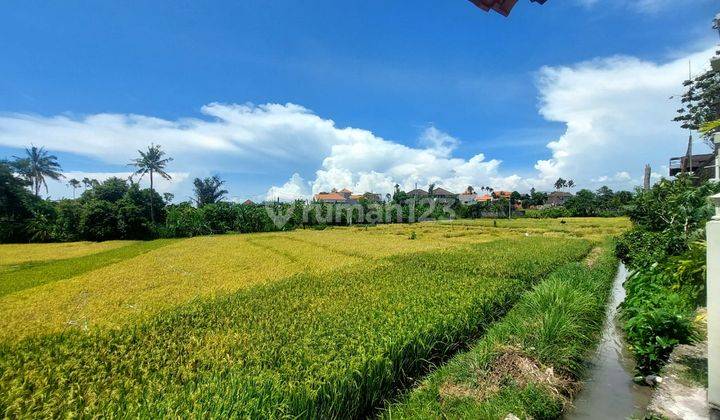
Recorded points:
(152, 161)
(184, 221)
(113, 209)
(208, 190)
(548, 213)
(36, 166)
(666, 251)
(41, 229)
(111, 190)
(658, 314)
(132, 221)
(99, 221)
(583, 204)
(701, 103)
(16, 205)
(639, 248)
(602, 203)
(67, 221)
(219, 217)
(328, 345)
(537, 198)
(676, 206)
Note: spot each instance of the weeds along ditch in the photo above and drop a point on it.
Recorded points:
(332, 344)
(531, 362)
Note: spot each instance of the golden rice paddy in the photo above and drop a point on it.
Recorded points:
(300, 323)
(13, 254)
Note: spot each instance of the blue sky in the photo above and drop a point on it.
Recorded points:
(438, 83)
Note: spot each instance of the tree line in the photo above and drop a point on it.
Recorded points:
(115, 208)
(119, 208)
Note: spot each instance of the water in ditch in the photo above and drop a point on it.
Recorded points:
(609, 391)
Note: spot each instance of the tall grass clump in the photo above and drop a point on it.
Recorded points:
(332, 344)
(530, 362)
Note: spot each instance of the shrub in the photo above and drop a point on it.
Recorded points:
(67, 222)
(218, 217)
(583, 204)
(184, 220)
(16, 206)
(675, 206)
(549, 213)
(98, 221)
(666, 250)
(132, 221)
(639, 248)
(657, 317)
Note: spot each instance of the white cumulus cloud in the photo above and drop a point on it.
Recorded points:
(616, 112)
(618, 117)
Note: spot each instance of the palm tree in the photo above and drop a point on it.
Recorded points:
(151, 162)
(74, 184)
(207, 191)
(37, 166)
(571, 184)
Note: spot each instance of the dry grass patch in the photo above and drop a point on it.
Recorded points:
(593, 257)
(510, 367)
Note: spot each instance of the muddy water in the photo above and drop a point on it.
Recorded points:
(609, 392)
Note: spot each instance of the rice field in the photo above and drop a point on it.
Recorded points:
(11, 254)
(529, 363)
(296, 324)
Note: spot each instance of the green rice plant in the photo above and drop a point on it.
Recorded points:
(530, 362)
(17, 254)
(32, 274)
(112, 292)
(330, 344)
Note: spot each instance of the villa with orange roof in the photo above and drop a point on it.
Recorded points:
(345, 196)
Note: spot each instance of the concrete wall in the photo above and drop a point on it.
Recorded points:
(713, 306)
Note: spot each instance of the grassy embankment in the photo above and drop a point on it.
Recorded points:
(322, 343)
(530, 362)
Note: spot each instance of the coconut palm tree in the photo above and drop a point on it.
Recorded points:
(151, 162)
(37, 166)
(74, 184)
